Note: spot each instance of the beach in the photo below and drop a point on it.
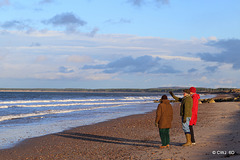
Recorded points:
(136, 137)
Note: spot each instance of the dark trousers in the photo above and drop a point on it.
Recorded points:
(192, 134)
(164, 135)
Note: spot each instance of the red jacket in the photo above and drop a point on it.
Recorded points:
(195, 98)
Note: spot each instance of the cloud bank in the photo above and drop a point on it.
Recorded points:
(230, 53)
(116, 59)
(143, 64)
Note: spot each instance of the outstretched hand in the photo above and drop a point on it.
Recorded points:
(156, 124)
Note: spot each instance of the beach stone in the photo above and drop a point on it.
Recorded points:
(211, 101)
(237, 99)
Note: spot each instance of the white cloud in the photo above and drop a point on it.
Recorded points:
(79, 59)
(204, 79)
(41, 58)
(178, 58)
(225, 81)
(2, 56)
(205, 39)
(212, 38)
(98, 77)
(53, 42)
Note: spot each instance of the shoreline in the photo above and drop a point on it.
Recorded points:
(130, 137)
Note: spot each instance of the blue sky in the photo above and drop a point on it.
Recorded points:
(119, 44)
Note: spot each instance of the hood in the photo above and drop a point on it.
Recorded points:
(196, 96)
(165, 101)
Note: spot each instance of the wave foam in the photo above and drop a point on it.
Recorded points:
(10, 117)
(68, 104)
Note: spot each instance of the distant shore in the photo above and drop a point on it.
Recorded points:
(124, 90)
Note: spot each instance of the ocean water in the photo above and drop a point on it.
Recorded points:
(31, 114)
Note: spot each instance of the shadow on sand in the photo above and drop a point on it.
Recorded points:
(113, 140)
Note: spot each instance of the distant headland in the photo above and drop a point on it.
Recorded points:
(150, 90)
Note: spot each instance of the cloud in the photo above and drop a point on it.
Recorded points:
(4, 3)
(211, 68)
(162, 1)
(203, 79)
(41, 58)
(46, 1)
(68, 20)
(19, 25)
(93, 32)
(79, 59)
(136, 2)
(226, 81)
(35, 44)
(63, 69)
(120, 21)
(2, 56)
(182, 58)
(143, 64)
(229, 55)
(192, 70)
(142, 2)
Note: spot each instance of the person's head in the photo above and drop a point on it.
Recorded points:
(186, 92)
(163, 98)
(192, 90)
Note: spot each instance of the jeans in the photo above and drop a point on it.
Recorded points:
(185, 125)
(164, 135)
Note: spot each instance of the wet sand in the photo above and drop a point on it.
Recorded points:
(136, 137)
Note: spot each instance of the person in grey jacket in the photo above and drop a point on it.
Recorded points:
(186, 113)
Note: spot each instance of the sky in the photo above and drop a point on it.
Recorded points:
(119, 44)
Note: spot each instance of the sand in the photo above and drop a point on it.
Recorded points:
(136, 137)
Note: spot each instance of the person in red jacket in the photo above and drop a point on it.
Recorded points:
(193, 120)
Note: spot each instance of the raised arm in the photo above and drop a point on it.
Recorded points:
(176, 98)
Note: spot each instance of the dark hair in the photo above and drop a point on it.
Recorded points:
(186, 91)
(164, 97)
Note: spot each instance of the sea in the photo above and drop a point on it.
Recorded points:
(26, 115)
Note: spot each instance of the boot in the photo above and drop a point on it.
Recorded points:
(188, 143)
